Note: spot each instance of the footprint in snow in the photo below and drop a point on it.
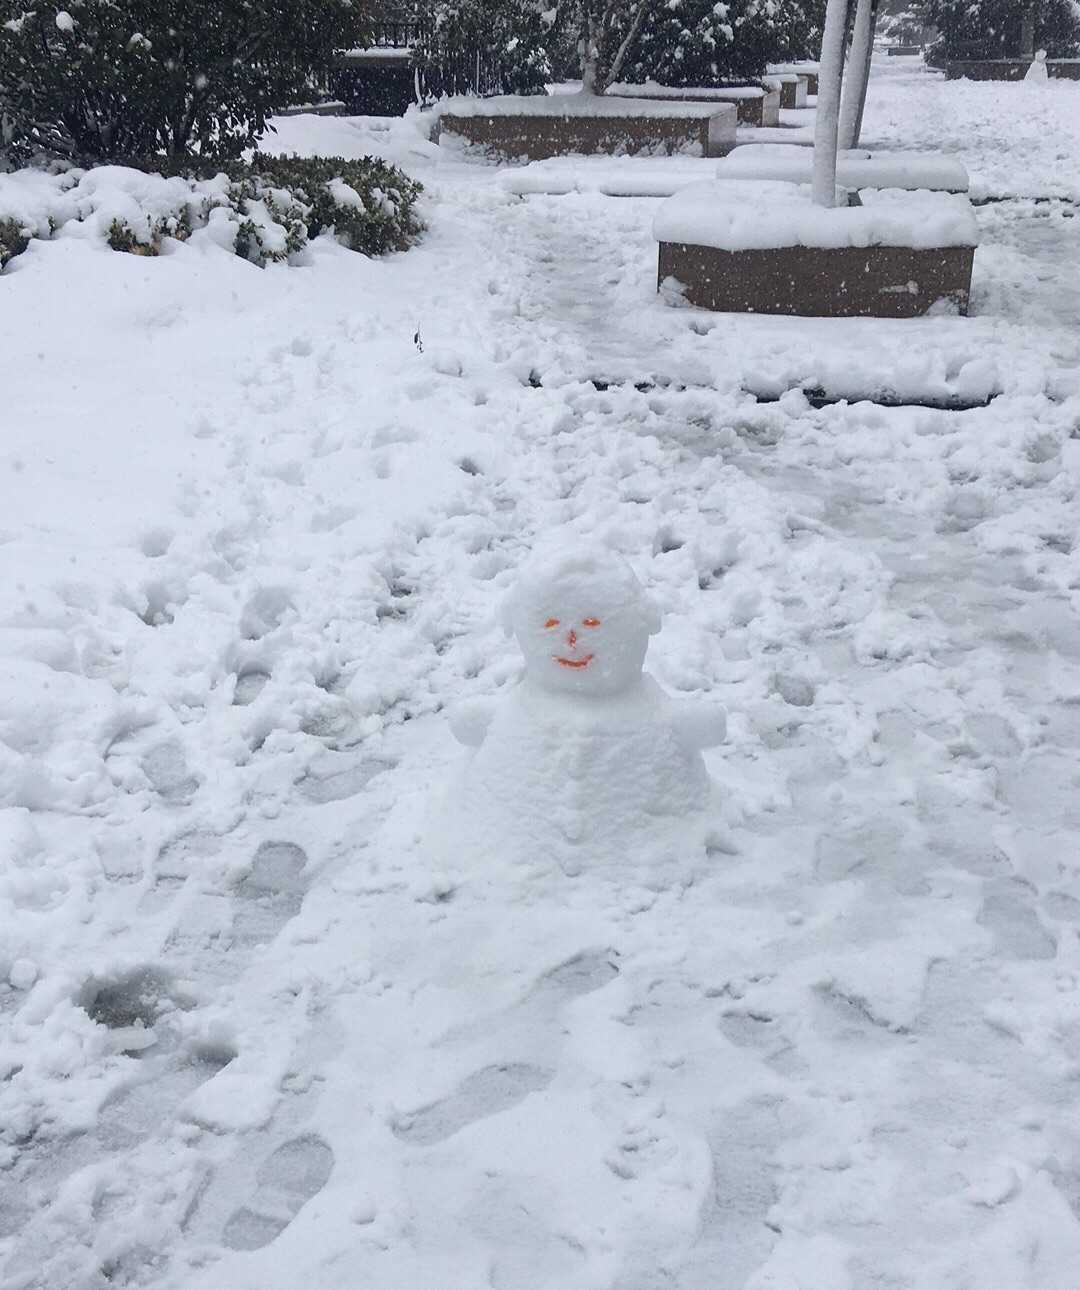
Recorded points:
(582, 974)
(340, 784)
(285, 1181)
(270, 893)
(485, 1093)
(166, 769)
(1018, 932)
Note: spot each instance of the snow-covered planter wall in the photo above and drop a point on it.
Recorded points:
(745, 247)
(1009, 69)
(532, 128)
(756, 104)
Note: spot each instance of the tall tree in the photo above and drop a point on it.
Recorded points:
(114, 79)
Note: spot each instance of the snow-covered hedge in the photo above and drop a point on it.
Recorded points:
(265, 212)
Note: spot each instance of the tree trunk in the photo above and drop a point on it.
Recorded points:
(862, 47)
(591, 72)
(830, 79)
(869, 55)
(1027, 32)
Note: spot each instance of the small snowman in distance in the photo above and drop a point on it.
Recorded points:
(1037, 73)
(586, 763)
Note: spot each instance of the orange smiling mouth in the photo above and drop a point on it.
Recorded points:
(573, 662)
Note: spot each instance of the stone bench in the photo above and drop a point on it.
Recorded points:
(792, 87)
(512, 128)
(757, 105)
(807, 69)
(765, 248)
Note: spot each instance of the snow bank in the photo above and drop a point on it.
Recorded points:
(743, 215)
(611, 176)
(856, 168)
(560, 105)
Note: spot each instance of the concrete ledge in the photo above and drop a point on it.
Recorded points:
(1009, 69)
(621, 128)
(843, 282)
(855, 168)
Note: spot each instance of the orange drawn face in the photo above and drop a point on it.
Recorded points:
(574, 661)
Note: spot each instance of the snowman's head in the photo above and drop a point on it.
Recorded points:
(582, 620)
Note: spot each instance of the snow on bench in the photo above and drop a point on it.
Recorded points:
(756, 104)
(855, 168)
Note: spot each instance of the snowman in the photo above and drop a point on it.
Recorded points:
(1037, 73)
(586, 764)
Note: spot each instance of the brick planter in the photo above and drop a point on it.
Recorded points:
(757, 105)
(764, 247)
(846, 282)
(619, 128)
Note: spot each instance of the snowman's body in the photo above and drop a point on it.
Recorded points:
(587, 762)
(1038, 73)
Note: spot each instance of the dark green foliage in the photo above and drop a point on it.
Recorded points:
(992, 28)
(13, 240)
(512, 35)
(114, 79)
(386, 220)
(701, 42)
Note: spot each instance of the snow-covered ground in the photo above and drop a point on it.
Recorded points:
(256, 529)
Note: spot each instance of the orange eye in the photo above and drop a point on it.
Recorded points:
(590, 622)
(552, 622)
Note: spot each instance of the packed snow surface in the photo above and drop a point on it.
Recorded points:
(258, 531)
(746, 215)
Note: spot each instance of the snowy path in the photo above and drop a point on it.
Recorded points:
(268, 1045)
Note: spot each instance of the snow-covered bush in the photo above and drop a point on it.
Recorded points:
(115, 79)
(265, 212)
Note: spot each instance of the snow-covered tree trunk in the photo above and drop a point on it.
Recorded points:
(858, 74)
(600, 64)
(830, 79)
(592, 78)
